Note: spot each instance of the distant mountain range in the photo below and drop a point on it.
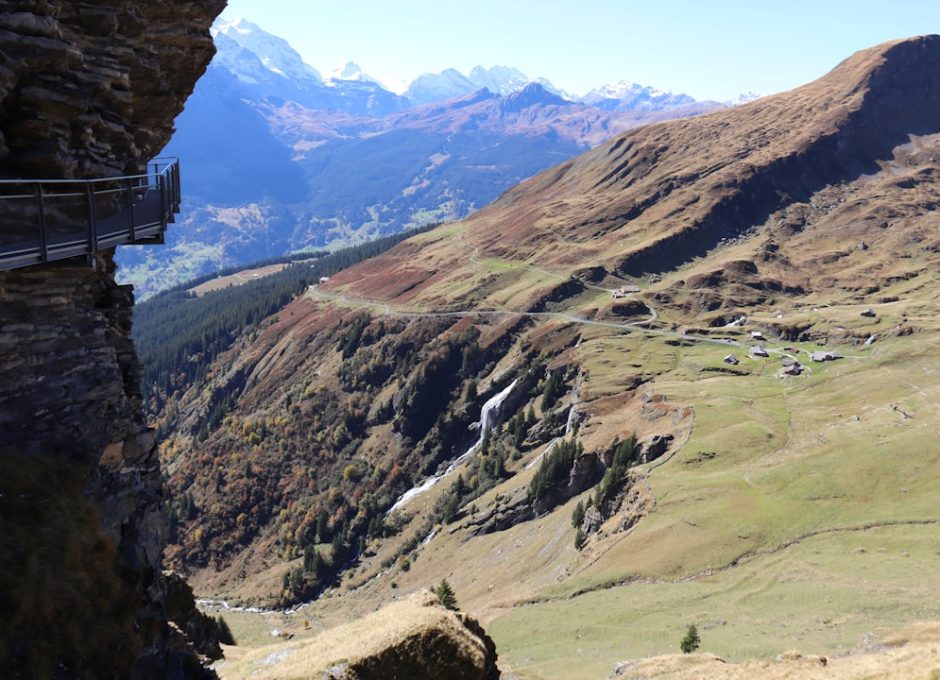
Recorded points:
(276, 158)
(434, 87)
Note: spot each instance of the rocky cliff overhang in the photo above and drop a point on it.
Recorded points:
(92, 89)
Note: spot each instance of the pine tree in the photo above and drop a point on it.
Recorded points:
(691, 640)
(311, 561)
(485, 443)
(173, 521)
(579, 539)
(577, 517)
(551, 391)
(188, 510)
(446, 595)
(323, 526)
(472, 391)
(337, 549)
(519, 431)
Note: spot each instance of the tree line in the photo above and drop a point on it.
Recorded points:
(178, 335)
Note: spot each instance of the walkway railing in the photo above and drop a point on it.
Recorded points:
(52, 219)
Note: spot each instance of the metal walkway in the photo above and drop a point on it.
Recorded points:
(42, 220)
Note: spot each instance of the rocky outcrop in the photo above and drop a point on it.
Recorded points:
(87, 90)
(518, 507)
(415, 638)
(548, 428)
(585, 473)
(655, 447)
(502, 515)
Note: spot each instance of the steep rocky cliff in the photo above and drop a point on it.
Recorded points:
(86, 90)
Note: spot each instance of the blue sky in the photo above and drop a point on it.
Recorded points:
(710, 49)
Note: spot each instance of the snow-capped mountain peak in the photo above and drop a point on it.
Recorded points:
(270, 67)
(434, 87)
(350, 71)
(621, 89)
(274, 53)
(449, 83)
(264, 61)
(743, 98)
(627, 96)
(237, 24)
(499, 79)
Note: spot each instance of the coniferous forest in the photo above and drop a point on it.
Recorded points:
(178, 334)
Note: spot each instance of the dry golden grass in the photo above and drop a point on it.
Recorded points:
(910, 654)
(416, 617)
(236, 279)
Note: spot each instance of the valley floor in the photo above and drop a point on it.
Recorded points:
(793, 513)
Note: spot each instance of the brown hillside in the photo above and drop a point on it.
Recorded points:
(806, 218)
(658, 196)
(811, 177)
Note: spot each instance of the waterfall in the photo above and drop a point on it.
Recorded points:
(573, 409)
(569, 424)
(547, 450)
(489, 419)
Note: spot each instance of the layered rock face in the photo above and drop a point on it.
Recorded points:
(70, 372)
(70, 389)
(86, 90)
(92, 89)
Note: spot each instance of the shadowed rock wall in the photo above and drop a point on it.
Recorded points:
(87, 89)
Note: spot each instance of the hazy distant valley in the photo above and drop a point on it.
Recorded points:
(280, 159)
